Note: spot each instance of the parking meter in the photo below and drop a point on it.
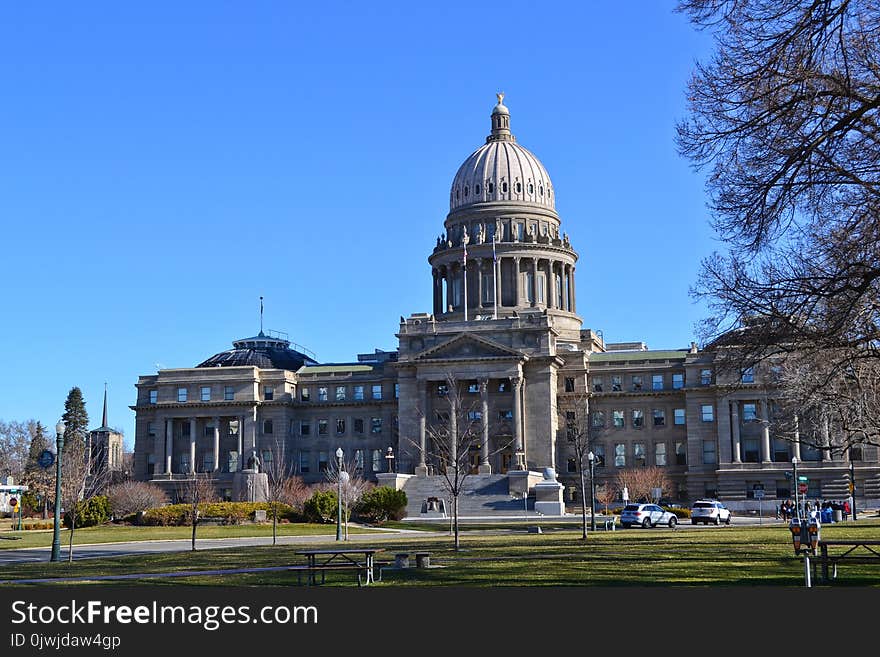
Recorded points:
(805, 534)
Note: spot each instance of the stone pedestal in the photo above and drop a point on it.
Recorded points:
(520, 481)
(421, 471)
(250, 486)
(393, 480)
(548, 495)
(484, 469)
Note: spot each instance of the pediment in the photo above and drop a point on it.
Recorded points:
(464, 346)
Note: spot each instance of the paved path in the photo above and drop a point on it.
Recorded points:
(103, 550)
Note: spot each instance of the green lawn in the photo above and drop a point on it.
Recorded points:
(122, 533)
(728, 556)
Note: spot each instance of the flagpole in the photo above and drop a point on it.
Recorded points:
(494, 279)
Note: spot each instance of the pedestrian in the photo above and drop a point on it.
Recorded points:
(845, 509)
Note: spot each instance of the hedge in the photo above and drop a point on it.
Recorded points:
(230, 513)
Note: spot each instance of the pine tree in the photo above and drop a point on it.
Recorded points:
(39, 443)
(40, 480)
(75, 416)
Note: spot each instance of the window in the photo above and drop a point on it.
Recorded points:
(617, 419)
(154, 396)
(599, 453)
(636, 383)
(751, 451)
(488, 287)
(638, 417)
(305, 428)
(475, 416)
(181, 394)
(709, 452)
(184, 430)
(639, 454)
(322, 427)
(520, 228)
(375, 425)
(678, 416)
(269, 393)
(750, 412)
(780, 450)
(359, 425)
(748, 375)
(304, 394)
(677, 381)
(503, 386)
(505, 414)
(340, 426)
(659, 453)
(151, 429)
(705, 377)
(571, 466)
(597, 384)
(228, 393)
(530, 281)
(680, 453)
(358, 460)
(657, 382)
(267, 426)
(397, 391)
(322, 394)
(659, 417)
(208, 462)
(571, 425)
(619, 455)
(707, 412)
(205, 393)
(473, 388)
(615, 383)
(569, 384)
(233, 427)
(598, 419)
(358, 393)
(208, 431)
(377, 391)
(377, 460)
(323, 462)
(340, 393)
(442, 390)
(266, 456)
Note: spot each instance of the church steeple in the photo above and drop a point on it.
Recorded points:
(104, 417)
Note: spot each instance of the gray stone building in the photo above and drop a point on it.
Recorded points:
(504, 326)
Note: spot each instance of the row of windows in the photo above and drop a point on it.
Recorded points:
(638, 382)
(340, 393)
(490, 188)
(206, 394)
(306, 461)
(637, 455)
(637, 417)
(305, 426)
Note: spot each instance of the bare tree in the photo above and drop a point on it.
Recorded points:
(283, 486)
(15, 441)
(353, 485)
(131, 496)
(642, 481)
(195, 491)
(786, 116)
(606, 494)
(580, 435)
(78, 483)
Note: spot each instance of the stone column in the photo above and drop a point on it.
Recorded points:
(216, 421)
(479, 304)
(485, 467)
(765, 431)
(435, 277)
(516, 282)
(169, 443)
(516, 383)
(573, 295)
(240, 466)
(568, 288)
(534, 282)
(826, 439)
(551, 286)
(796, 445)
(252, 433)
(734, 412)
(422, 388)
(448, 288)
(192, 445)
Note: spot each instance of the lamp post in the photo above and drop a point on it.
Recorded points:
(389, 458)
(592, 459)
(339, 494)
(56, 530)
(797, 508)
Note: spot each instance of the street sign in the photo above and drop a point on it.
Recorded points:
(46, 459)
(759, 494)
(852, 488)
(802, 478)
(802, 488)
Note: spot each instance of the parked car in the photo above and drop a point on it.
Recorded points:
(646, 515)
(706, 511)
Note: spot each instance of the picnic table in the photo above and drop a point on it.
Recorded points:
(361, 560)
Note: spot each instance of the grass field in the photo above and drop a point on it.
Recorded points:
(725, 556)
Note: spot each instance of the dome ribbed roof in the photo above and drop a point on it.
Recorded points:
(261, 351)
(501, 170)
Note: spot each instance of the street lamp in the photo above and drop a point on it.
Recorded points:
(797, 508)
(56, 535)
(592, 459)
(339, 494)
(389, 457)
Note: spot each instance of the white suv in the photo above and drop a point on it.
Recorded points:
(706, 511)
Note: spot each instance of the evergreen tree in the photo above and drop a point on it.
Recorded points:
(41, 481)
(39, 443)
(75, 417)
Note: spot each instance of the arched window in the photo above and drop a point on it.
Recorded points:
(457, 194)
(504, 187)
(466, 190)
(267, 426)
(491, 188)
(531, 188)
(541, 190)
(477, 189)
(518, 188)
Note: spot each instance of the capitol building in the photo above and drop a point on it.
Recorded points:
(502, 323)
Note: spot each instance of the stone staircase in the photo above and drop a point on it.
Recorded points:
(482, 495)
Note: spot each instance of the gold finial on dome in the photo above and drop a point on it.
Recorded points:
(500, 96)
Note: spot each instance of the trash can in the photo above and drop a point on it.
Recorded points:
(838, 515)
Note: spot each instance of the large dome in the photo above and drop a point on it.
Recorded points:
(501, 170)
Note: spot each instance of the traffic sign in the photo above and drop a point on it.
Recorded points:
(759, 494)
(802, 488)
(13, 502)
(46, 459)
(802, 478)
(852, 487)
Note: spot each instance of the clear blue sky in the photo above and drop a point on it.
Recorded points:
(164, 164)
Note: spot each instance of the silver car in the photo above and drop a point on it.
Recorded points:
(646, 515)
(706, 511)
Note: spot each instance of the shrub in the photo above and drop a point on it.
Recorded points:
(90, 512)
(321, 507)
(133, 496)
(381, 504)
(680, 512)
(38, 525)
(229, 513)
